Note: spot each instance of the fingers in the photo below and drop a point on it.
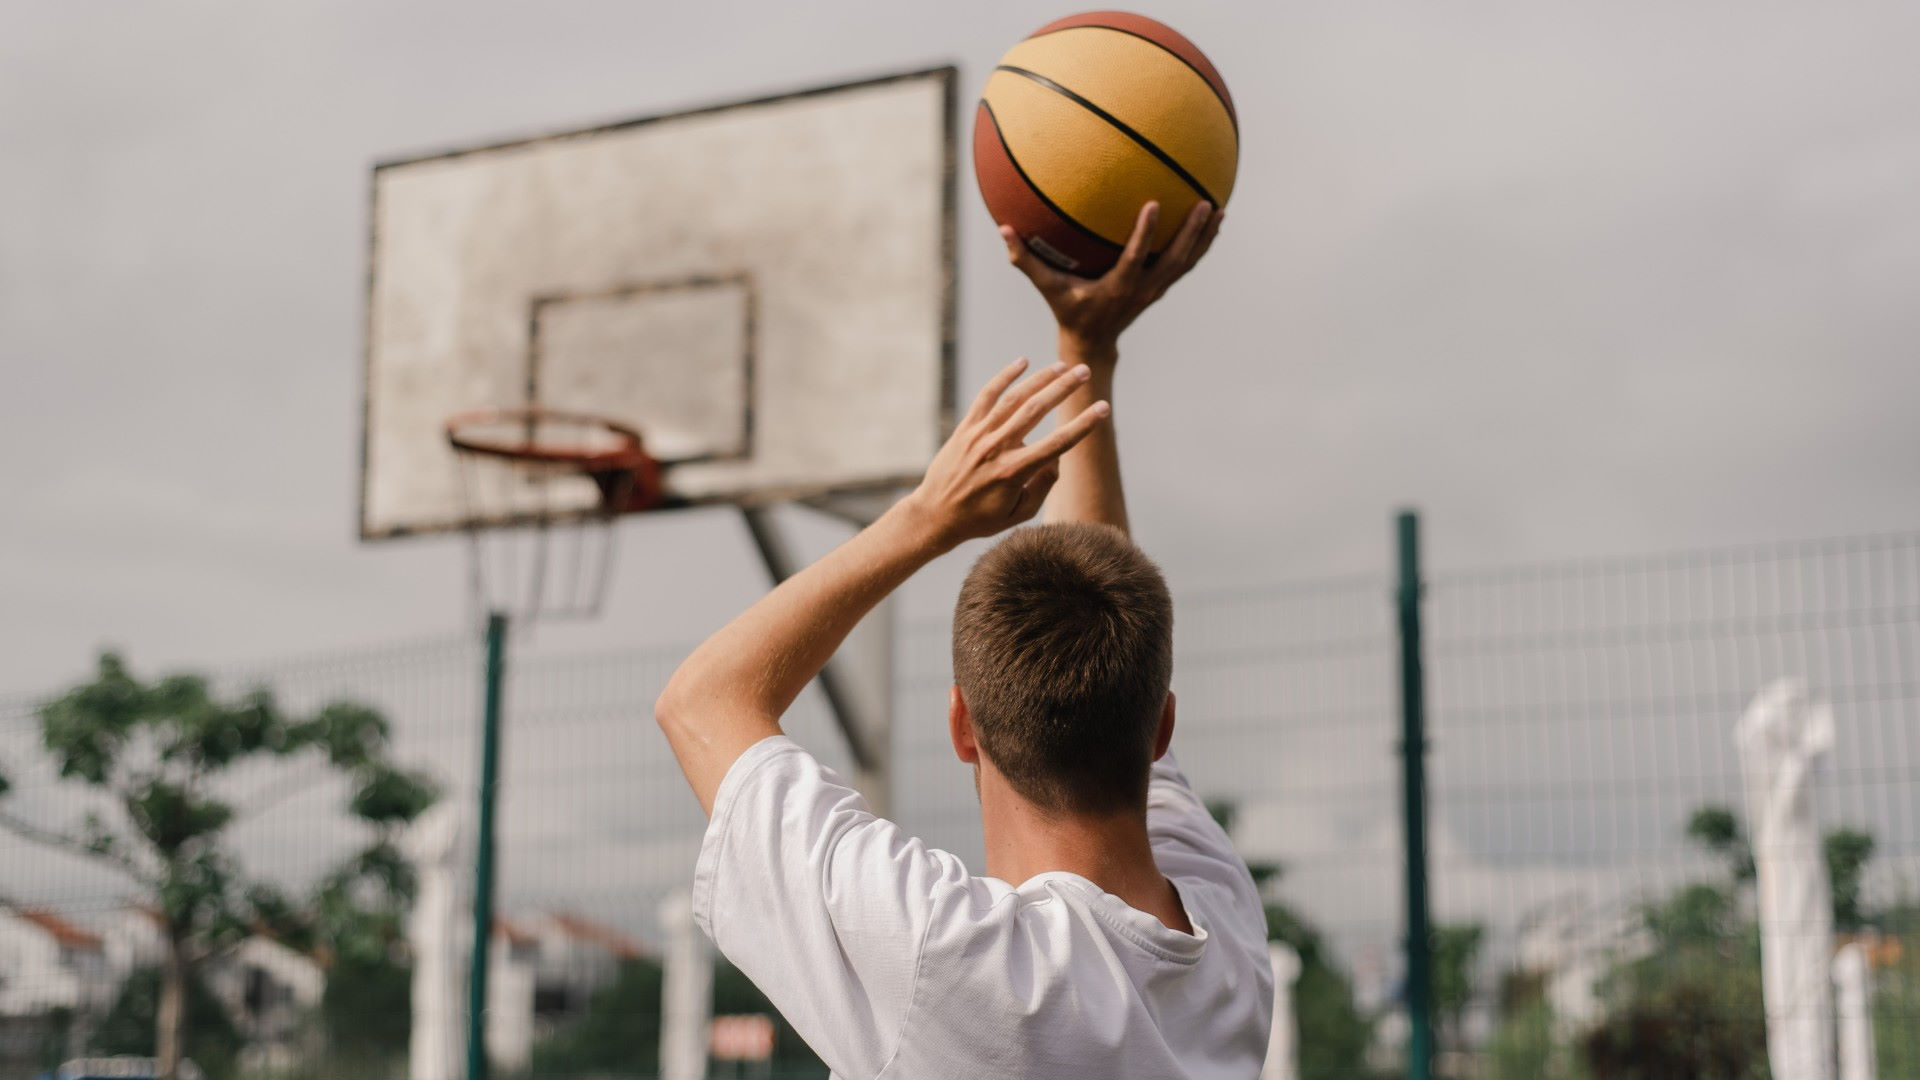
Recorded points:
(1034, 495)
(1134, 255)
(1206, 238)
(1047, 451)
(1042, 392)
(989, 394)
(1011, 401)
(1184, 250)
(1022, 257)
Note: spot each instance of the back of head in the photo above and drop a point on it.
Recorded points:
(1063, 652)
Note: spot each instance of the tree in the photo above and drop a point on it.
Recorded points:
(619, 1033)
(1685, 1029)
(1716, 829)
(1456, 954)
(1847, 852)
(128, 1025)
(1693, 1005)
(366, 1011)
(157, 754)
(1334, 1034)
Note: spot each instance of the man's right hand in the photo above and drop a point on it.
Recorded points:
(1093, 312)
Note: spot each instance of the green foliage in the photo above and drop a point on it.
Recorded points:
(1896, 999)
(1718, 830)
(1334, 1034)
(390, 796)
(618, 1035)
(734, 993)
(1695, 915)
(1847, 852)
(1693, 1006)
(1456, 954)
(1687, 1027)
(211, 1040)
(1526, 1047)
(54, 1039)
(157, 752)
(367, 1013)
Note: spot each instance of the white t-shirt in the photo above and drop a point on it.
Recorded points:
(891, 960)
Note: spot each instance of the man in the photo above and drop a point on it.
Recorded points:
(1116, 934)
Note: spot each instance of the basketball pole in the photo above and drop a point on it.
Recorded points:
(483, 868)
(858, 681)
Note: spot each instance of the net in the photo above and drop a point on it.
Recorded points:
(527, 556)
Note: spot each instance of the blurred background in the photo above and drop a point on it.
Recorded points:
(1620, 299)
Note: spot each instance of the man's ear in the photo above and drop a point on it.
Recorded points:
(960, 727)
(1163, 736)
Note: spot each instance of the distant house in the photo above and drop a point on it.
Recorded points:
(1571, 945)
(50, 968)
(48, 962)
(269, 990)
(543, 969)
(133, 937)
(266, 987)
(575, 959)
(513, 957)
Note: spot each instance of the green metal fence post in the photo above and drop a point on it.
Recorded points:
(483, 859)
(1413, 752)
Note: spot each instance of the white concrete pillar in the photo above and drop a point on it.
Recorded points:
(1781, 738)
(686, 1001)
(436, 845)
(1853, 1004)
(1283, 1042)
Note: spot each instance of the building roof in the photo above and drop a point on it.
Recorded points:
(511, 934)
(584, 929)
(59, 929)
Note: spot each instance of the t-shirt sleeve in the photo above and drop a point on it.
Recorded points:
(1189, 843)
(822, 904)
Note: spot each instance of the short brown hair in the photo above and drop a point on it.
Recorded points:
(1063, 652)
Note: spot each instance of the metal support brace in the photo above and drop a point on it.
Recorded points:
(858, 681)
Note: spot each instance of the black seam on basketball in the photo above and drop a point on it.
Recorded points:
(1035, 188)
(1224, 103)
(1145, 143)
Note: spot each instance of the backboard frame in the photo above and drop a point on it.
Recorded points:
(948, 78)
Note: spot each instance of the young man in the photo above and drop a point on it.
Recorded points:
(1116, 935)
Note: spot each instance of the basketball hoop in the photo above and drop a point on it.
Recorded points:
(515, 463)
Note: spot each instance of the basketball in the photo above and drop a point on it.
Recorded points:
(1091, 117)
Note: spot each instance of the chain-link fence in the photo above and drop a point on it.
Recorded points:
(1590, 862)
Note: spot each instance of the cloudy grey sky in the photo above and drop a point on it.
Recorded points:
(1581, 282)
(1632, 277)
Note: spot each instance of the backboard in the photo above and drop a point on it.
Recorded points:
(763, 289)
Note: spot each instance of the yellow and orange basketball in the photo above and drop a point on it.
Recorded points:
(1090, 118)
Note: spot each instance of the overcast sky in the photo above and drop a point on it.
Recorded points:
(1633, 277)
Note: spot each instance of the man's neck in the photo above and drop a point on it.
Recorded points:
(1112, 850)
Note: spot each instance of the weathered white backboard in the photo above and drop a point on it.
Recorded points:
(763, 289)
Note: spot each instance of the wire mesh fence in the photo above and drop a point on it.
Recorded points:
(1587, 821)
(1593, 874)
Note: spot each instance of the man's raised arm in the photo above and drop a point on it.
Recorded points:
(1091, 314)
(732, 691)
